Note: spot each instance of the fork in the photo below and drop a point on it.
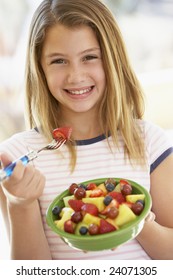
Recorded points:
(8, 170)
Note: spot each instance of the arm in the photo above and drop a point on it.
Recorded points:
(28, 240)
(19, 199)
(156, 237)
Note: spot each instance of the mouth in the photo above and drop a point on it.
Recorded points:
(79, 91)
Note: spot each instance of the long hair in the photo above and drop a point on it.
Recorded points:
(122, 103)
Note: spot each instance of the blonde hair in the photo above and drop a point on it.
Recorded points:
(122, 103)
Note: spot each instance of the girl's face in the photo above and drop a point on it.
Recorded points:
(72, 63)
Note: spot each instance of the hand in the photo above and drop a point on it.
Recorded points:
(25, 185)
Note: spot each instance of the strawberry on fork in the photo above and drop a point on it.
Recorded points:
(62, 132)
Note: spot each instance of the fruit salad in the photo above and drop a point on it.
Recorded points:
(98, 209)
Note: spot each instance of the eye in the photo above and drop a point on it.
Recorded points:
(58, 61)
(90, 57)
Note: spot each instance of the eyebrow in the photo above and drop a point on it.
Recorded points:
(54, 54)
(90, 50)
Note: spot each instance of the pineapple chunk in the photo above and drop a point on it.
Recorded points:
(125, 215)
(117, 188)
(88, 192)
(90, 219)
(103, 188)
(65, 215)
(134, 197)
(98, 201)
(65, 209)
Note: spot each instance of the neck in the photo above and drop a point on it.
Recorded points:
(85, 126)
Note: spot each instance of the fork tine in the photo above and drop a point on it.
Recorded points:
(62, 142)
(56, 144)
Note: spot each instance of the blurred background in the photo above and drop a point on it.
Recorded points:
(147, 28)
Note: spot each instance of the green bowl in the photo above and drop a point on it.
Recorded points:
(101, 241)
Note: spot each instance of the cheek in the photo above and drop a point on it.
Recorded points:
(100, 77)
(54, 81)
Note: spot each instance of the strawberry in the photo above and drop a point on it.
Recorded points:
(125, 187)
(75, 204)
(105, 227)
(90, 208)
(91, 186)
(62, 132)
(123, 182)
(113, 203)
(118, 196)
(69, 226)
(96, 193)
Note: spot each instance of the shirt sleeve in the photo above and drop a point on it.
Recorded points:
(158, 145)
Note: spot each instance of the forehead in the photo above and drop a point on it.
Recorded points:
(63, 37)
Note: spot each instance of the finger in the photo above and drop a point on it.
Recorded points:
(15, 177)
(5, 159)
(32, 176)
(29, 175)
(23, 181)
(18, 171)
(34, 183)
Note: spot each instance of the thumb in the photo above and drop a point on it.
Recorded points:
(5, 160)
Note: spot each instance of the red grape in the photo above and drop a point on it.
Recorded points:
(137, 208)
(76, 217)
(80, 193)
(112, 213)
(93, 229)
(126, 189)
(72, 188)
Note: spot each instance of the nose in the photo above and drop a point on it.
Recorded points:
(75, 74)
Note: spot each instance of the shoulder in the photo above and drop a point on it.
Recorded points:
(158, 144)
(153, 133)
(149, 127)
(20, 137)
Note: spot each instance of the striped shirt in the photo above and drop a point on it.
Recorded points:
(94, 160)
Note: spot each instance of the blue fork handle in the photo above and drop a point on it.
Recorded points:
(8, 170)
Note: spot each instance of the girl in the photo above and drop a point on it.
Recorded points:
(78, 75)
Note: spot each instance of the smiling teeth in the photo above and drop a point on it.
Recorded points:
(78, 92)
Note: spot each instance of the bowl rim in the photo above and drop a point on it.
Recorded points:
(115, 233)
